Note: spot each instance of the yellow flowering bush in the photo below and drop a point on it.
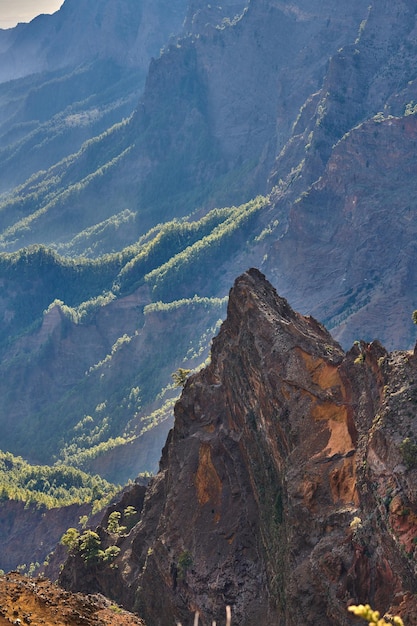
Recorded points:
(373, 618)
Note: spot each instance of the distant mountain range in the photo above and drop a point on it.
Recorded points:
(136, 184)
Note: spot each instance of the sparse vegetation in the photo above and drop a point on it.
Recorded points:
(185, 561)
(89, 546)
(113, 523)
(179, 271)
(185, 302)
(410, 108)
(130, 517)
(409, 452)
(180, 376)
(70, 539)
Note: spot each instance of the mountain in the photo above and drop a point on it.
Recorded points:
(206, 132)
(70, 76)
(286, 487)
(127, 32)
(269, 134)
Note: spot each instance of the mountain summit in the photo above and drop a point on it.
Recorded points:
(285, 488)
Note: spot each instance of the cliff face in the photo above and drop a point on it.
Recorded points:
(126, 31)
(357, 219)
(286, 485)
(28, 534)
(348, 207)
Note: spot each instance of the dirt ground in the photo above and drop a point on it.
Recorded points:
(37, 601)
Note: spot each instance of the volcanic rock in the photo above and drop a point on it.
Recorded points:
(287, 486)
(37, 601)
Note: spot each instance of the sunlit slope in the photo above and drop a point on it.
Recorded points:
(89, 346)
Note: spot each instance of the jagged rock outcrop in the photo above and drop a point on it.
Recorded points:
(286, 487)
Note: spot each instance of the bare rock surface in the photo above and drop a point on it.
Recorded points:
(286, 487)
(37, 601)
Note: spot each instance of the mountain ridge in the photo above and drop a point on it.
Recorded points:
(230, 162)
(46, 43)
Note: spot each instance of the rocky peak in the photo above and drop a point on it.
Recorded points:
(285, 488)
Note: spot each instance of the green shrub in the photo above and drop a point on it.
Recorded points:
(70, 539)
(90, 547)
(185, 561)
(180, 376)
(113, 525)
(409, 451)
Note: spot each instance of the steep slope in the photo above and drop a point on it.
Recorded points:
(30, 533)
(104, 364)
(57, 92)
(356, 235)
(217, 109)
(320, 97)
(286, 487)
(336, 233)
(39, 503)
(48, 116)
(346, 201)
(38, 601)
(127, 31)
(102, 378)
